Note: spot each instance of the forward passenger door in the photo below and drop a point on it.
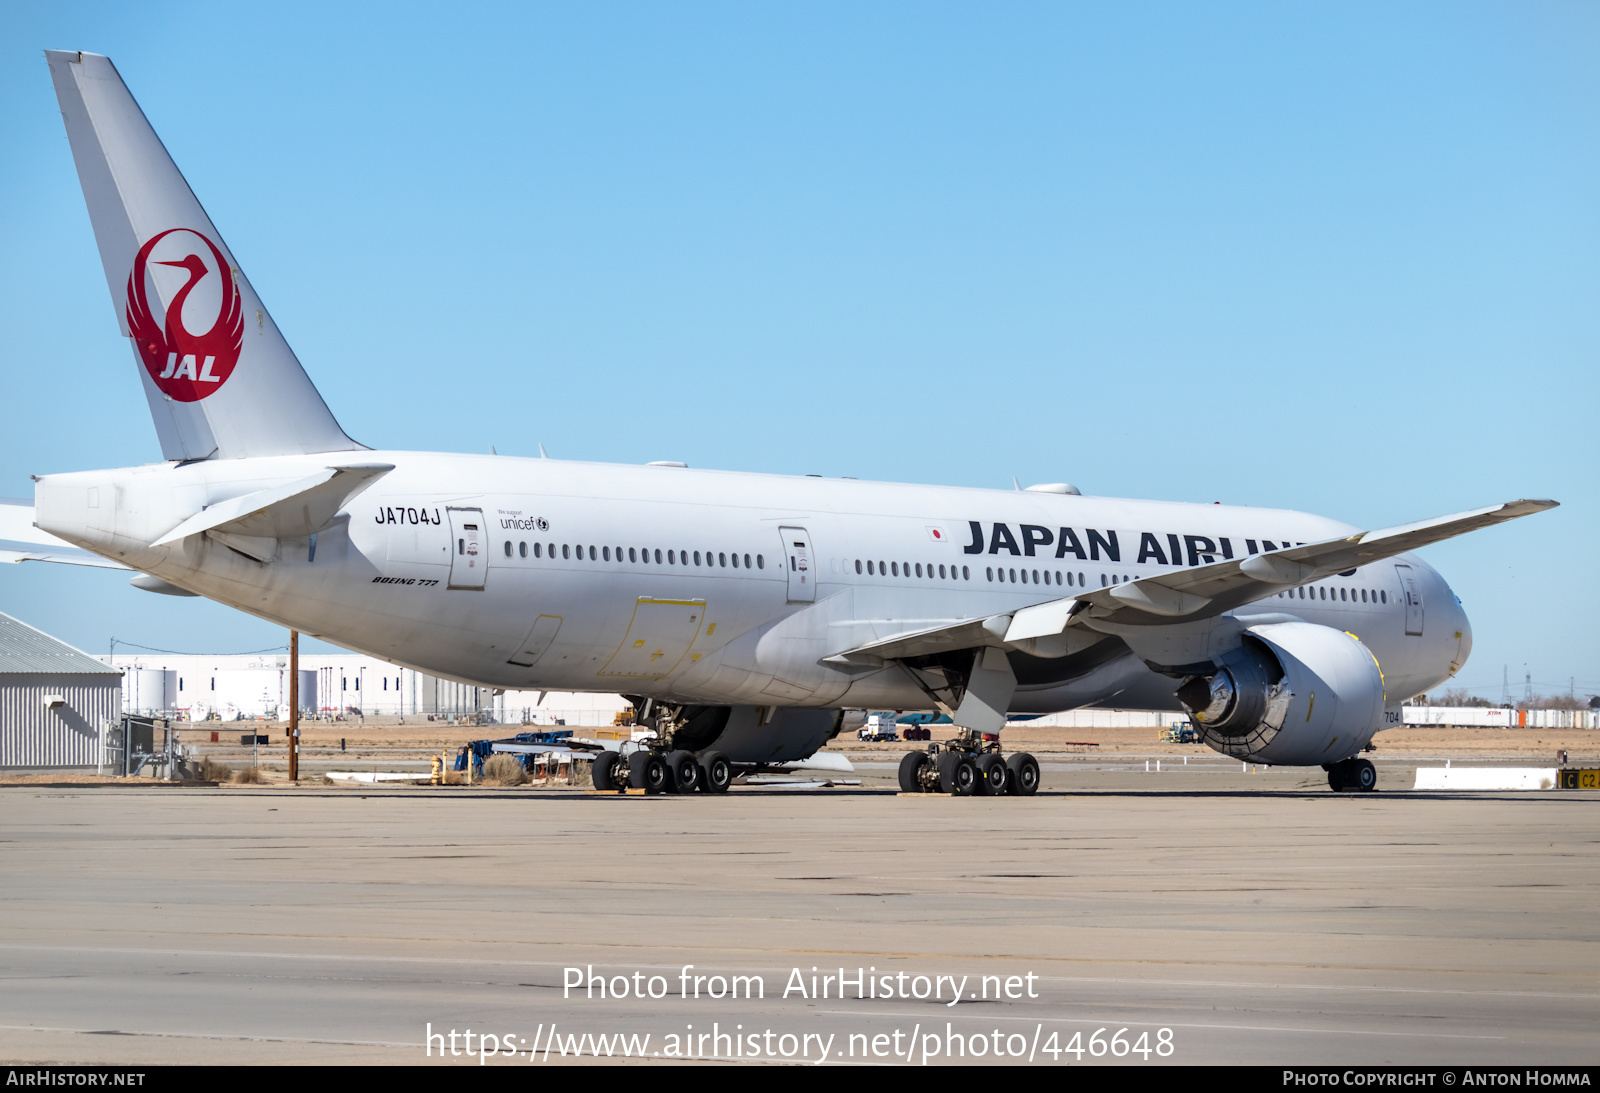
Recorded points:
(469, 555)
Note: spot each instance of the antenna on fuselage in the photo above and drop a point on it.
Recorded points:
(542, 453)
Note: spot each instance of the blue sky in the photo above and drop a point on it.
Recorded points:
(1342, 258)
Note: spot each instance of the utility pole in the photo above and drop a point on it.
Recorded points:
(294, 705)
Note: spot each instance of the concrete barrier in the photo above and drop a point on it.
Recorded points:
(1486, 778)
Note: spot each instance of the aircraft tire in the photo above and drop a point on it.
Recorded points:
(603, 770)
(646, 771)
(1336, 777)
(957, 775)
(683, 772)
(1022, 771)
(911, 765)
(716, 773)
(1363, 775)
(992, 776)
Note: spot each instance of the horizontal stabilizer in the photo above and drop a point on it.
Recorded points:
(69, 556)
(291, 511)
(20, 541)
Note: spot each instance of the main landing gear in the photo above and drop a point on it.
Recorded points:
(969, 765)
(660, 771)
(1352, 774)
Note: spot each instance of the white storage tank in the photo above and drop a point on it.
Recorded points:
(149, 691)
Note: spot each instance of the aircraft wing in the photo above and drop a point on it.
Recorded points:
(1199, 593)
(20, 541)
(1190, 594)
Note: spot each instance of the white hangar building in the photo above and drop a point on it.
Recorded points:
(55, 701)
(197, 687)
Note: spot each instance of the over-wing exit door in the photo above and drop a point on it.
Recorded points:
(797, 559)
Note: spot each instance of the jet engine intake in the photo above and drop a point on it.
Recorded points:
(1292, 693)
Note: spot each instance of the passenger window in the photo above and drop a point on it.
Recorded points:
(989, 570)
(747, 561)
(858, 566)
(966, 574)
(1013, 576)
(508, 548)
(632, 557)
(941, 572)
(592, 554)
(522, 549)
(658, 557)
(566, 550)
(697, 557)
(672, 558)
(761, 561)
(722, 560)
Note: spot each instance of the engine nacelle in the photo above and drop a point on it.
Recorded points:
(1292, 693)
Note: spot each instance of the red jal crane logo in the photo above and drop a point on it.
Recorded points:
(186, 366)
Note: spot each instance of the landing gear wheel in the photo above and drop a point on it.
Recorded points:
(1336, 777)
(716, 773)
(1022, 772)
(683, 772)
(957, 775)
(603, 771)
(911, 771)
(646, 771)
(992, 776)
(1362, 775)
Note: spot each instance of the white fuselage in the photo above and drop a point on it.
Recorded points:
(565, 590)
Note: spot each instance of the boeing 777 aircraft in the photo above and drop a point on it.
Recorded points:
(741, 612)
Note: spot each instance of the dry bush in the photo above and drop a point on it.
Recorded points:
(249, 776)
(213, 771)
(504, 770)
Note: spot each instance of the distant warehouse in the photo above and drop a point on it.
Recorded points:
(54, 700)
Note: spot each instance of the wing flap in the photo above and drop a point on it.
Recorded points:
(294, 510)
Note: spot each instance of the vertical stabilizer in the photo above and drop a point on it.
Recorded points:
(220, 378)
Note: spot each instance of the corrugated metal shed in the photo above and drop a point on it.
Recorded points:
(24, 649)
(37, 730)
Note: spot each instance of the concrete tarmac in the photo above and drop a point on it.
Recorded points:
(1206, 916)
